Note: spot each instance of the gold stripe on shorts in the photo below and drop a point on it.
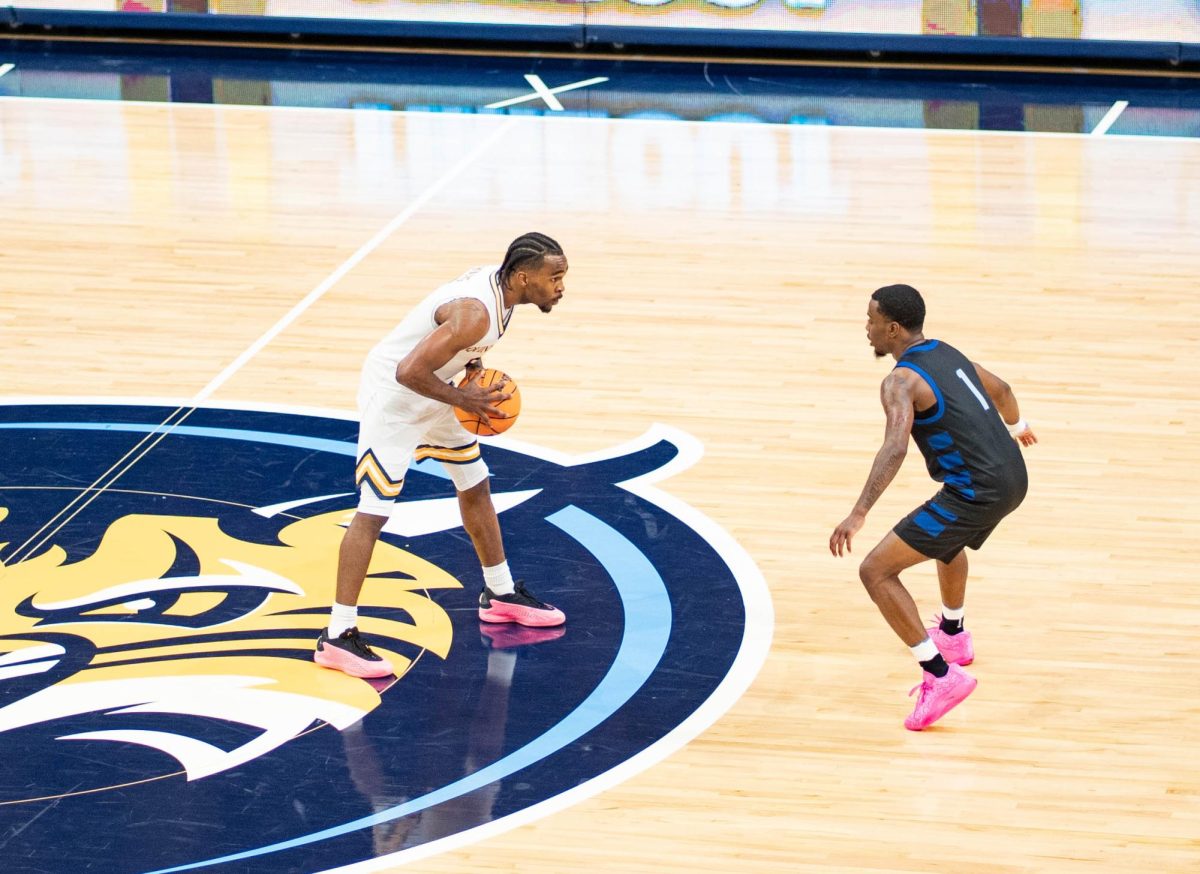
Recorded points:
(458, 455)
(370, 469)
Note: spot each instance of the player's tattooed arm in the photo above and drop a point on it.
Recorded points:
(896, 395)
(897, 398)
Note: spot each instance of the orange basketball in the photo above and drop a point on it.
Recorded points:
(512, 406)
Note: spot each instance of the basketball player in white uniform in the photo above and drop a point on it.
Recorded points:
(405, 406)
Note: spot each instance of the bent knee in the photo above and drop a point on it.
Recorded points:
(872, 573)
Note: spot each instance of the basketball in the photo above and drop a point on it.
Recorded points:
(512, 406)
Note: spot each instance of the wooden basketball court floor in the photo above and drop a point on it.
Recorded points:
(719, 278)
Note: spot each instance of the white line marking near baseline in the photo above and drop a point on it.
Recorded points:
(6, 68)
(96, 489)
(1110, 117)
(547, 94)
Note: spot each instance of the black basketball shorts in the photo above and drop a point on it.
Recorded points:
(946, 523)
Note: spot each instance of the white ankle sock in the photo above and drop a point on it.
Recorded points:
(498, 579)
(953, 615)
(925, 650)
(341, 618)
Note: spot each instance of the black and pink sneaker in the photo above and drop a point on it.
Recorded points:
(519, 607)
(350, 654)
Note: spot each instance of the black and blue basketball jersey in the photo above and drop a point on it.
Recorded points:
(966, 445)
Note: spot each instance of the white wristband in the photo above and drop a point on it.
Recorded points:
(1017, 428)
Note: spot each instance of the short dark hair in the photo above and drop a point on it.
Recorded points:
(527, 250)
(902, 304)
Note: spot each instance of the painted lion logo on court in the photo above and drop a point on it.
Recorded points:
(172, 617)
(164, 573)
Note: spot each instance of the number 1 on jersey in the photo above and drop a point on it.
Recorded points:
(974, 390)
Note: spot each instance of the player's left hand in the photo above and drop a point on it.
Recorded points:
(844, 533)
(1026, 437)
(482, 400)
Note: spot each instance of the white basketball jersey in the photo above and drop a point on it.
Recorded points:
(479, 283)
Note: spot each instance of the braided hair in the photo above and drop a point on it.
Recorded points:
(527, 250)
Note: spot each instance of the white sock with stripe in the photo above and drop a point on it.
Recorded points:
(498, 579)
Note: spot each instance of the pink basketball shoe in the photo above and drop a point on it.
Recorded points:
(350, 654)
(939, 695)
(519, 607)
(957, 649)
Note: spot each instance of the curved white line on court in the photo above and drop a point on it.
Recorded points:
(756, 643)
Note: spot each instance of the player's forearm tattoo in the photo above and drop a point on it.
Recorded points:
(883, 471)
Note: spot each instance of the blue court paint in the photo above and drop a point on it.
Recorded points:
(647, 627)
(448, 747)
(297, 440)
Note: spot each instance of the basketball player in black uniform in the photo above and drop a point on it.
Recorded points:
(966, 423)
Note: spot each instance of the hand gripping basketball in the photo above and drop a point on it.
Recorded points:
(499, 384)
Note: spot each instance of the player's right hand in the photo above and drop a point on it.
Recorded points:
(844, 533)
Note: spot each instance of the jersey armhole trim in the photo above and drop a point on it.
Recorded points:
(937, 393)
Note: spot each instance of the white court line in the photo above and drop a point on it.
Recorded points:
(313, 296)
(96, 489)
(755, 646)
(1110, 117)
(547, 94)
(53, 525)
(4, 68)
(535, 81)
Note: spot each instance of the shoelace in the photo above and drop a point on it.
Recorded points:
(921, 685)
(519, 588)
(521, 593)
(359, 644)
